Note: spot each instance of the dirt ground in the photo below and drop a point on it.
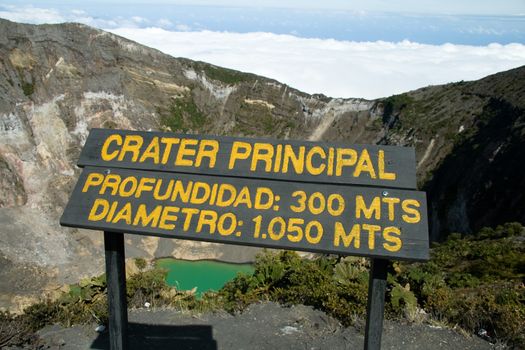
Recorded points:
(261, 326)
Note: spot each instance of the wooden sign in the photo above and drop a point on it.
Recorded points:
(318, 197)
(347, 220)
(318, 162)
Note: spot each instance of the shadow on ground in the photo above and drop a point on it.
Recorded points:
(144, 336)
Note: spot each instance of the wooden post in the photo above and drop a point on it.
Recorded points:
(116, 282)
(376, 304)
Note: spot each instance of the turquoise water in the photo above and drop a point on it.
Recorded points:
(204, 274)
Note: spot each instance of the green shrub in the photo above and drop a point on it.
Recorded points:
(403, 301)
(141, 263)
(85, 302)
(351, 270)
(147, 287)
(28, 88)
(286, 278)
(475, 282)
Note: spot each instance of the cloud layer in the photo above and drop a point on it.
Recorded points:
(38, 15)
(335, 68)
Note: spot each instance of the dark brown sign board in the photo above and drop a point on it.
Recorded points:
(319, 162)
(318, 197)
(339, 219)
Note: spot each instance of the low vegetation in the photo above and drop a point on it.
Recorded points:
(473, 281)
(182, 115)
(28, 88)
(224, 75)
(395, 104)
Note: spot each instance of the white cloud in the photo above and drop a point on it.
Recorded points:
(164, 22)
(335, 68)
(138, 19)
(182, 28)
(79, 12)
(36, 15)
(30, 14)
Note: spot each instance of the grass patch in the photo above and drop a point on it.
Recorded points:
(269, 124)
(182, 114)
(256, 119)
(173, 119)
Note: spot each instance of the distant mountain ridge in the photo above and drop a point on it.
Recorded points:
(58, 81)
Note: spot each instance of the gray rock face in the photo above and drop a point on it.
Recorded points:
(59, 81)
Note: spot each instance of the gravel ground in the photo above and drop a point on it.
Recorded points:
(261, 326)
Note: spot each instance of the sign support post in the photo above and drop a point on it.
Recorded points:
(116, 286)
(376, 304)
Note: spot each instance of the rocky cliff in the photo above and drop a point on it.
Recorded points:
(58, 81)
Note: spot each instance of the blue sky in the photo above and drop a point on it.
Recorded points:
(341, 48)
(473, 22)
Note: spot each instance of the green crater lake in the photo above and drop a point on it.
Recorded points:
(204, 274)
